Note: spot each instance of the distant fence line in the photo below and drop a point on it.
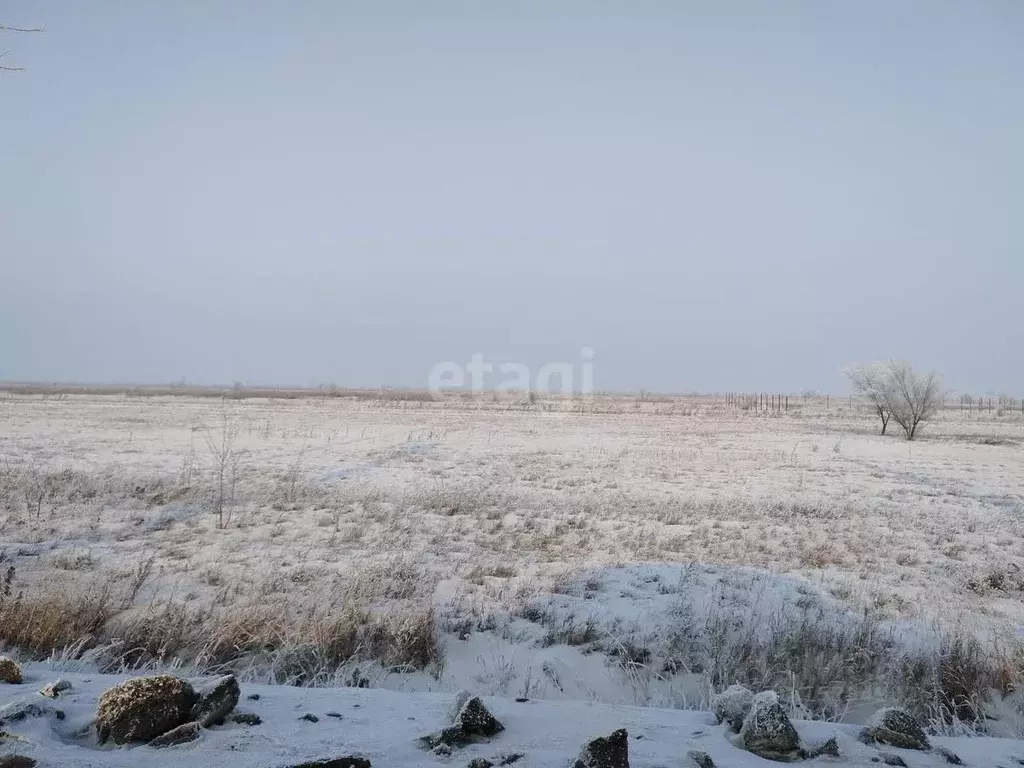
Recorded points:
(998, 405)
(766, 401)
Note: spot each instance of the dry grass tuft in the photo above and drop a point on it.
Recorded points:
(274, 639)
(61, 616)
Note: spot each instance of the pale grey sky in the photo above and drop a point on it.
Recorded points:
(712, 195)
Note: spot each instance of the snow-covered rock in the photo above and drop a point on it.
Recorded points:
(606, 752)
(55, 689)
(828, 747)
(732, 705)
(700, 759)
(472, 721)
(896, 727)
(767, 731)
(216, 701)
(180, 735)
(950, 756)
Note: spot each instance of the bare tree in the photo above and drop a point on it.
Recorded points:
(914, 398)
(872, 380)
(225, 462)
(6, 28)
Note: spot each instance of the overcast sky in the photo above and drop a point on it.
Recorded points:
(711, 195)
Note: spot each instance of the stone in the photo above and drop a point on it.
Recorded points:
(476, 720)
(472, 722)
(442, 750)
(732, 705)
(10, 672)
(142, 708)
(16, 711)
(246, 718)
(55, 689)
(180, 735)
(606, 752)
(338, 762)
(828, 748)
(309, 717)
(700, 759)
(767, 732)
(216, 701)
(895, 727)
(480, 762)
(17, 761)
(950, 757)
(888, 758)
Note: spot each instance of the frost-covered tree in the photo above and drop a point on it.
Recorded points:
(898, 392)
(873, 382)
(915, 397)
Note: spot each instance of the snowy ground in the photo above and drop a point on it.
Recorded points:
(913, 529)
(529, 529)
(383, 726)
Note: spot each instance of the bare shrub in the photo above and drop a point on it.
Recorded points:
(915, 397)
(225, 466)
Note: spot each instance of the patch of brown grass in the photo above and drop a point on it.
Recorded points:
(54, 618)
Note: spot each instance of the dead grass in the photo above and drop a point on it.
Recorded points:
(37, 623)
(349, 506)
(277, 639)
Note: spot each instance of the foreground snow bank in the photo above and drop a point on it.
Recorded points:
(304, 724)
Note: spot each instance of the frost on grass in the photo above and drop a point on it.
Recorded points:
(408, 543)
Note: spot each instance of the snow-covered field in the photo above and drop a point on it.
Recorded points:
(615, 549)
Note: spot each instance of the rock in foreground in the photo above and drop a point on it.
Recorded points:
(472, 722)
(700, 759)
(140, 709)
(216, 701)
(10, 672)
(180, 735)
(767, 731)
(732, 705)
(606, 752)
(55, 689)
(896, 727)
